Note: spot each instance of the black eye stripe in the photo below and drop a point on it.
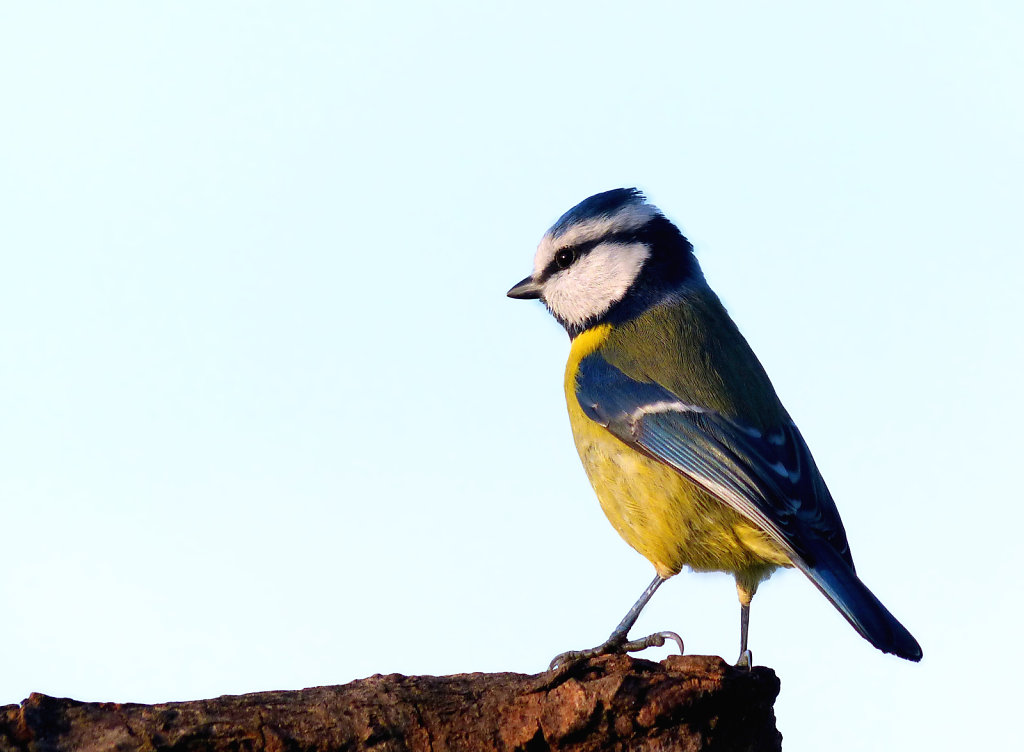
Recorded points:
(582, 249)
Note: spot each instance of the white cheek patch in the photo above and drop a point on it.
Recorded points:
(595, 282)
(630, 217)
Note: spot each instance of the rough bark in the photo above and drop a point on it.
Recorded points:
(611, 703)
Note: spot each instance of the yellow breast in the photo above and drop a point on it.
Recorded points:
(659, 512)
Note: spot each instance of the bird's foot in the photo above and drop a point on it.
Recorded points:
(746, 660)
(614, 644)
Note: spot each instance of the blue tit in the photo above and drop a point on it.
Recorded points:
(694, 459)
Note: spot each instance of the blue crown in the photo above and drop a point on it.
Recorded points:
(599, 205)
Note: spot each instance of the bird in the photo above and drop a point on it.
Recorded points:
(692, 456)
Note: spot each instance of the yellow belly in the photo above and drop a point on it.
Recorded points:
(659, 512)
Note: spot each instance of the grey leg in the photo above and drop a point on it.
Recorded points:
(620, 632)
(746, 586)
(617, 642)
(746, 657)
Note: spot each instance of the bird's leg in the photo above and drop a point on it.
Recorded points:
(746, 657)
(746, 594)
(617, 642)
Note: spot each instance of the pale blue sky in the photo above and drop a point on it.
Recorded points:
(268, 420)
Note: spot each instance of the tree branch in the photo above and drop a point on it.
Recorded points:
(612, 702)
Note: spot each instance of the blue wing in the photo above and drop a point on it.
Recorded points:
(767, 476)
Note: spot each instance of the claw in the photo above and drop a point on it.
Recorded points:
(572, 657)
(655, 640)
(667, 635)
(563, 661)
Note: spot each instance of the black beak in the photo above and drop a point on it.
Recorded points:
(525, 290)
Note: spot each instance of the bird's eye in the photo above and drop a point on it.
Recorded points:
(565, 257)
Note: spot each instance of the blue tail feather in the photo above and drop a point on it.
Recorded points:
(840, 584)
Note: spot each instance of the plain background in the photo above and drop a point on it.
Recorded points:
(268, 421)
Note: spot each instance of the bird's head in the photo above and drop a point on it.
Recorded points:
(608, 258)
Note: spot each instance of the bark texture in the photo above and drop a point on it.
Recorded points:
(611, 703)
